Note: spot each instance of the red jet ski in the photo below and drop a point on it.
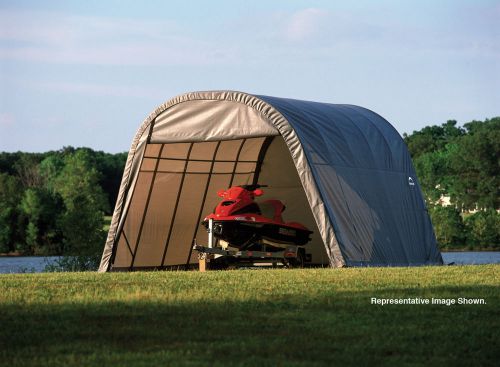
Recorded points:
(242, 222)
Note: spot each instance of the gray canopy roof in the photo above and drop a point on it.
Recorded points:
(342, 170)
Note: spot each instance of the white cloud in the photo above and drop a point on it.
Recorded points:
(7, 119)
(61, 38)
(57, 28)
(82, 88)
(305, 24)
(103, 90)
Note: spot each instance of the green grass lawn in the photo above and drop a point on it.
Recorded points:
(309, 317)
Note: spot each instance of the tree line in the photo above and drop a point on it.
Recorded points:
(54, 203)
(460, 165)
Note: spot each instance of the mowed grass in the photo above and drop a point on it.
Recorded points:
(309, 317)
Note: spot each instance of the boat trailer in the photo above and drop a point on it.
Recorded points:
(214, 257)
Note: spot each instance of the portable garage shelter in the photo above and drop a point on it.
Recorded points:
(342, 170)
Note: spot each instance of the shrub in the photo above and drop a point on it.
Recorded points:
(75, 263)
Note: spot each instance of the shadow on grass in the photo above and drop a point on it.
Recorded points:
(290, 331)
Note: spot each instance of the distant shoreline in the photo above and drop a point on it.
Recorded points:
(473, 250)
(17, 254)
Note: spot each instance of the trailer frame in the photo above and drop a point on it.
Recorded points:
(217, 257)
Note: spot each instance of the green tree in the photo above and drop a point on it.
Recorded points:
(462, 163)
(41, 210)
(111, 168)
(27, 170)
(474, 166)
(448, 226)
(85, 202)
(483, 229)
(8, 162)
(50, 168)
(433, 172)
(10, 194)
(52, 203)
(432, 138)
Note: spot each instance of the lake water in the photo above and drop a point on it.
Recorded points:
(472, 257)
(36, 264)
(25, 264)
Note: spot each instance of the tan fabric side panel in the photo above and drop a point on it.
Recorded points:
(158, 220)
(198, 167)
(176, 150)
(168, 165)
(251, 149)
(152, 150)
(245, 167)
(228, 150)
(123, 258)
(279, 173)
(242, 179)
(148, 164)
(185, 224)
(209, 120)
(136, 209)
(203, 150)
(217, 182)
(223, 167)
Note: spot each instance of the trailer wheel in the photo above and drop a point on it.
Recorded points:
(299, 261)
(219, 264)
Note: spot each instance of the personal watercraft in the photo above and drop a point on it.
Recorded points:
(242, 222)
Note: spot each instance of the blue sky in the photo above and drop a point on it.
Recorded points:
(86, 73)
